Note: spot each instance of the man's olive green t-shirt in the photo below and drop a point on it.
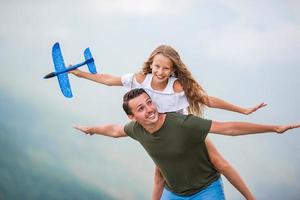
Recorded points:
(179, 150)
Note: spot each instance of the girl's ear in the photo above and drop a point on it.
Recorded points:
(173, 73)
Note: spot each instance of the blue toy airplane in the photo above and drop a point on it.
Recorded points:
(62, 72)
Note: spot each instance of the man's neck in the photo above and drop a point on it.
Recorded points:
(152, 128)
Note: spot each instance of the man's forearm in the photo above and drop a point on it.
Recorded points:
(110, 130)
(244, 128)
(106, 130)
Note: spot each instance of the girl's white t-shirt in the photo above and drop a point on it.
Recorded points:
(167, 100)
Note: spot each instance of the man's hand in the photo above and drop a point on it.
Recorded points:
(110, 130)
(87, 130)
(282, 129)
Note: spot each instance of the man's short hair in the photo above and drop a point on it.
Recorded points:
(131, 95)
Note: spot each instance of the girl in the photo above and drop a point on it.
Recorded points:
(170, 84)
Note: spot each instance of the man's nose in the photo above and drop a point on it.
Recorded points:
(149, 109)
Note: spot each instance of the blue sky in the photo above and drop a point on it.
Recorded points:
(245, 52)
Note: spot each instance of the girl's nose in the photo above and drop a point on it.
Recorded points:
(159, 71)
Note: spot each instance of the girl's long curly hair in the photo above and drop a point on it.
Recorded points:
(195, 94)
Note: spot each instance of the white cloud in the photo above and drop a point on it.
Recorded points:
(244, 46)
(259, 34)
(141, 7)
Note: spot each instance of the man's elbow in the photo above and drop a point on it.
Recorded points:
(116, 135)
(232, 133)
(230, 129)
(238, 133)
(223, 128)
(228, 132)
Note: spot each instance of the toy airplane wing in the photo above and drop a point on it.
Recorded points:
(59, 65)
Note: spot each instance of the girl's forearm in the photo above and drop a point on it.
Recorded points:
(105, 79)
(215, 102)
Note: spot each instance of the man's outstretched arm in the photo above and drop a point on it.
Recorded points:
(110, 130)
(244, 128)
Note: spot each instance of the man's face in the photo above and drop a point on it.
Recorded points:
(143, 109)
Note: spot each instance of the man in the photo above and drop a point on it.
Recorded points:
(175, 142)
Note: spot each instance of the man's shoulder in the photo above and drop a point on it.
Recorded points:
(187, 119)
(176, 117)
(129, 127)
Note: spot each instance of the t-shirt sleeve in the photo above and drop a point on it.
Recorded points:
(127, 80)
(198, 125)
(129, 130)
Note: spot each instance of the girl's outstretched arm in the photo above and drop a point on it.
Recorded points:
(214, 102)
(105, 79)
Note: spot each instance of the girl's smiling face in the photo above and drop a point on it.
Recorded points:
(162, 68)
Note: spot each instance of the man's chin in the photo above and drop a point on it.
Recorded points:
(153, 119)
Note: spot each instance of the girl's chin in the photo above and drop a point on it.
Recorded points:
(160, 80)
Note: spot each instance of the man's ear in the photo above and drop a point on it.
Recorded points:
(131, 117)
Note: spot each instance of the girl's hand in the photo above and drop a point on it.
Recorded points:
(76, 72)
(252, 110)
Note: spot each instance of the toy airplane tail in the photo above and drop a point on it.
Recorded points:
(90, 61)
